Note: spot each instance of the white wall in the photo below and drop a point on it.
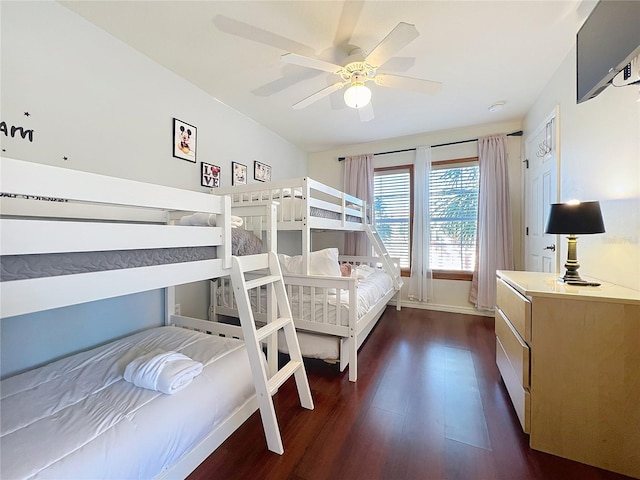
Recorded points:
(449, 295)
(599, 160)
(110, 110)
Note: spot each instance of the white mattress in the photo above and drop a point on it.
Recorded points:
(369, 289)
(326, 347)
(78, 418)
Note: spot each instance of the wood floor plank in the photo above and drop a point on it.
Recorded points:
(392, 423)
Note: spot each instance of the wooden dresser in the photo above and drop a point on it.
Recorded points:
(570, 359)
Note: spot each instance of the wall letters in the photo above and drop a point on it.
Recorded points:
(24, 133)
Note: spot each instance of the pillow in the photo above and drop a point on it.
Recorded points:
(363, 271)
(323, 262)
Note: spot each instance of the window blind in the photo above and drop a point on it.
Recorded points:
(392, 208)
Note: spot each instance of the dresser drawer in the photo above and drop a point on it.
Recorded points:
(515, 349)
(520, 397)
(516, 307)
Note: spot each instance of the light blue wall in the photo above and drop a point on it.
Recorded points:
(110, 110)
(31, 340)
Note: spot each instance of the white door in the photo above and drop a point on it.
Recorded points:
(541, 190)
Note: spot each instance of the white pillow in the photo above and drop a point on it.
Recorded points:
(323, 262)
(363, 271)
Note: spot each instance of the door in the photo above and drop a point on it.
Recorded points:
(541, 190)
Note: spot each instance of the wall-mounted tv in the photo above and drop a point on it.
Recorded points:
(607, 41)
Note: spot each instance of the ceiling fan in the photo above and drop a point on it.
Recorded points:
(361, 68)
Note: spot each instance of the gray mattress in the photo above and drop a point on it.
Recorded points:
(21, 267)
(322, 213)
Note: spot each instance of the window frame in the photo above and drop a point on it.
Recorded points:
(437, 274)
(455, 274)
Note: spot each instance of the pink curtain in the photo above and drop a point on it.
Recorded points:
(494, 248)
(358, 181)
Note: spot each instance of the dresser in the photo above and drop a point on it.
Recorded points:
(569, 357)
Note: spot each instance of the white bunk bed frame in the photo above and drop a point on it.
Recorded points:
(353, 216)
(353, 213)
(127, 215)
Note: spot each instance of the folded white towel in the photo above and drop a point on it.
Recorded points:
(199, 219)
(207, 220)
(166, 372)
(236, 221)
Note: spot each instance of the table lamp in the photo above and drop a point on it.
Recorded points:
(574, 218)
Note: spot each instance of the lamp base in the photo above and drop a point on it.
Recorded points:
(571, 276)
(581, 283)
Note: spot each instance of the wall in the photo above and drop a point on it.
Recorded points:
(449, 295)
(599, 160)
(109, 110)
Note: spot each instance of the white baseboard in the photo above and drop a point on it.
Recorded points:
(444, 308)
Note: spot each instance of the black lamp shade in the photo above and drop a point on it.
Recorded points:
(575, 218)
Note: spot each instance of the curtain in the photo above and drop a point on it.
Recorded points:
(494, 247)
(421, 281)
(358, 181)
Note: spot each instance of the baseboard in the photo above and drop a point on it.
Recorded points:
(444, 308)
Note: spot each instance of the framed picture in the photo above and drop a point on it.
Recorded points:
(184, 140)
(239, 174)
(261, 172)
(209, 175)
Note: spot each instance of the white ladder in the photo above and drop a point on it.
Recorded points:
(385, 258)
(268, 384)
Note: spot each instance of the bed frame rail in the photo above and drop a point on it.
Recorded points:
(295, 216)
(83, 217)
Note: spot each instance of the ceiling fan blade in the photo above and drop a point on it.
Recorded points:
(408, 83)
(366, 113)
(347, 23)
(288, 79)
(255, 34)
(318, 95)
(398, 64)
(309, 62)
(401, 36)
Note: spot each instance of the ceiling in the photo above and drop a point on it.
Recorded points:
(482, 51)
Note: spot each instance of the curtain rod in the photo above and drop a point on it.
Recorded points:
(513, 134)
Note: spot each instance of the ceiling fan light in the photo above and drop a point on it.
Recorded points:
(357, 95)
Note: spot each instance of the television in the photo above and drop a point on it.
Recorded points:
(607, 41)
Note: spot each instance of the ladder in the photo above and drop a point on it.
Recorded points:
(267, 383)
(385, 258)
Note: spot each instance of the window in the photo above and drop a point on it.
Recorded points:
(453, 210)
(393, 208)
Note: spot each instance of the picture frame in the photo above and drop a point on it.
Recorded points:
(239, 176)
(261, 171)
(209, 175)
(184, 140)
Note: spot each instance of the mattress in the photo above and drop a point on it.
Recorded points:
(20, 267)
(292, 209)
(78, 418)
(369, 290)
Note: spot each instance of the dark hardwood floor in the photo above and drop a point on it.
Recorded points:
(429, 404)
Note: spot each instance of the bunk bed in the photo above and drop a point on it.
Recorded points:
(78, 417)
(333, 314)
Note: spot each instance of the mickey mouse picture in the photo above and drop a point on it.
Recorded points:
(184, 140)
